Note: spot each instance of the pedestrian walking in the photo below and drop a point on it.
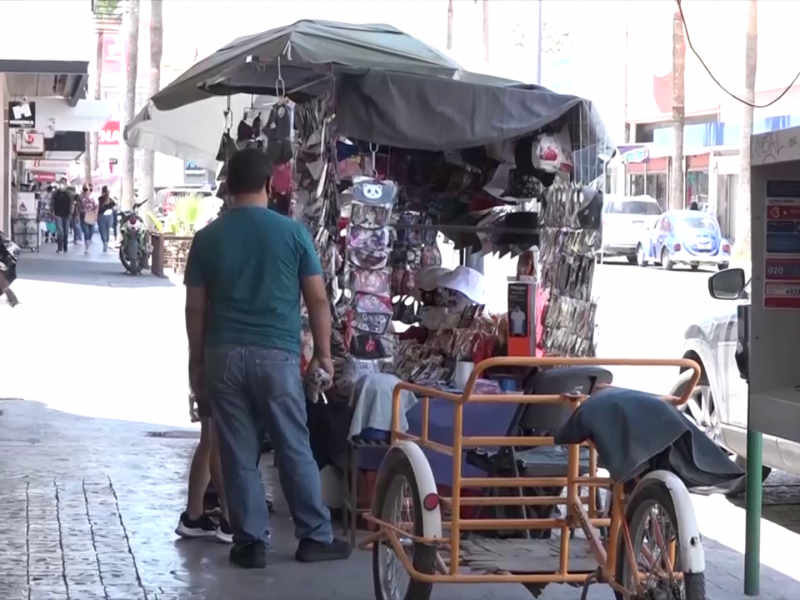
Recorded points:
(62, 209)
(89, 212)
(105, 216)
(244, 278)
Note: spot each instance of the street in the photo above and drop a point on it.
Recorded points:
(94, 384)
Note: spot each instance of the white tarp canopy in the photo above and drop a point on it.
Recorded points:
(192, 132)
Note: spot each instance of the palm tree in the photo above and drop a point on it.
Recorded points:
(742, 209)
(131, 72)
(677, 185)
(156, 51)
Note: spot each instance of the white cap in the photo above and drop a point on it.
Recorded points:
(467, 281)
(429, 278)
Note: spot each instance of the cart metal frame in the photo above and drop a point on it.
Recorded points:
(577, 516)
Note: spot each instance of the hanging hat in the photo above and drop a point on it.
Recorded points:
(428, 279)
(468, 282)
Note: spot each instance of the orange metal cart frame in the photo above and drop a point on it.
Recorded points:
(577, 515)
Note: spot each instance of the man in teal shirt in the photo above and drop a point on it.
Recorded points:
(244, 278)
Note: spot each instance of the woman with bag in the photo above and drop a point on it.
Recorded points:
(89, 209)
(105, 216)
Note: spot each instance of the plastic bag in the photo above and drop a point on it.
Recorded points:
(553, 152)
(375, 281)
(369, 239)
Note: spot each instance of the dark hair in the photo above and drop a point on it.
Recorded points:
(247, 172)
(105, 189)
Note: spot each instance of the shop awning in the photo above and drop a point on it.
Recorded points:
(314, 44)
(191, 132)
(47, 78)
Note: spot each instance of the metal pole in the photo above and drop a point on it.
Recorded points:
(752, 540)
(538, 47)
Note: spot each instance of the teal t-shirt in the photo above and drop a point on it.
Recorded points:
(251, 262)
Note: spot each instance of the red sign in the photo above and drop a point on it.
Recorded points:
(113, 55)
(110, 135)
(783, 212)
(44, 177)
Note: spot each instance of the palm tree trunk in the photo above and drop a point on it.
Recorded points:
(485, 6)
(450, 25)
(156, 51)
(677, 184)
(98, 93)
(742, 208)
(131, 72)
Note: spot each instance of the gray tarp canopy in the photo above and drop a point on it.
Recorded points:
(427, 113)
(314, 44)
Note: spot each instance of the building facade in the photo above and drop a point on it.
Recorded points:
(717, 29)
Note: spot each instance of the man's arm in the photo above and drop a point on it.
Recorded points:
(315, 297)
(195, 313)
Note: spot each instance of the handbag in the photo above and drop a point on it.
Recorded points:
(90, 218)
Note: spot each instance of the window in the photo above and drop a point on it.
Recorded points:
(634, 207)
(657, 188)
(697, 188)
(636, 183)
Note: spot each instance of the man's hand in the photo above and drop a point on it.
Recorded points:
(325, 363)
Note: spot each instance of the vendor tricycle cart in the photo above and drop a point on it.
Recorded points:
(640, 536)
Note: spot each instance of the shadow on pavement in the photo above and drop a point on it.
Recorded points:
(76, 271)
(781, 501)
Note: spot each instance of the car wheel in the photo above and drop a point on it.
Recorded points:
(641, 259)
(702, 409)
(632, 259)
(722, 266)
(694, 267)
(738, 488)
(666, 263)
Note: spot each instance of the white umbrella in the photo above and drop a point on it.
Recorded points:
(191, 132)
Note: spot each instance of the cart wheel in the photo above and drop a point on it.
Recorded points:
(650, 513)
(399, 503)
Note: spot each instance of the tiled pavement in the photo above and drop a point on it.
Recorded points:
(88, 507)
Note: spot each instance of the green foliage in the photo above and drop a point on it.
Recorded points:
(186, 214)
(107, 8)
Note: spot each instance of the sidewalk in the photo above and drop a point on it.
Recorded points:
(88, 508)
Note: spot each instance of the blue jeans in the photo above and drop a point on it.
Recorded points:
(88, 231)
(251, 388)
(104, 225)
(62, 233)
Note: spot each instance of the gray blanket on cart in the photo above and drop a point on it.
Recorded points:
(635, 432)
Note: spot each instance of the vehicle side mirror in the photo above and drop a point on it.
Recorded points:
(727, 284)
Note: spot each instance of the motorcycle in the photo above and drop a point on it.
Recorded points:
(135, 248)
(9, 257)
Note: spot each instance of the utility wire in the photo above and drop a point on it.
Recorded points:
(710, 74)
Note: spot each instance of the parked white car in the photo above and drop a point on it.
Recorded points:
(719, 403)
(625, 221)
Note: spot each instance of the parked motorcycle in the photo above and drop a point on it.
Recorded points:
(135, 248)
(9, 257)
